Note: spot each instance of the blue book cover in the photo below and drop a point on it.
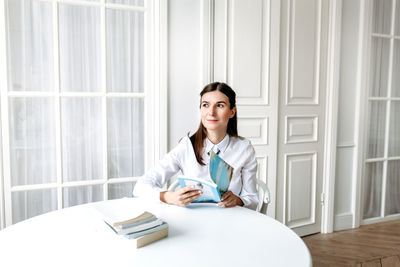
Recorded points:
(209, 189)
(220, 172)
(221, 175)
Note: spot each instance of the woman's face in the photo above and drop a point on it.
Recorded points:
(215, 111)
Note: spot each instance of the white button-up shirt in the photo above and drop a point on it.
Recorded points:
(237, 152)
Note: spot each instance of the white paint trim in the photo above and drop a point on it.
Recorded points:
(331, 115)
(361, 97)
(5, 129)
(103, 60)
(3, 92)
(346, 145)
(343, 221)
(57, 101)
(207, 41)
(381, 219)
(160, 15)
(273, 101)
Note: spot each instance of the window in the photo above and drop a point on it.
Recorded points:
(382, 167)
(77, 101)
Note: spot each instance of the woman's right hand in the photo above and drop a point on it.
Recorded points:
(181, 197)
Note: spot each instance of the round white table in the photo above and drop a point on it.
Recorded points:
(199, 235)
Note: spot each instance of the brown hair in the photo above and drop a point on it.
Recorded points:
(198, 137)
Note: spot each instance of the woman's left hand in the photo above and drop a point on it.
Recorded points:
(229, 199)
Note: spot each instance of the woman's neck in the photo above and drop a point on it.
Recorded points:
(216, 137)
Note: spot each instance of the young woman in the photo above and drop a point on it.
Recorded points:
(217, 132)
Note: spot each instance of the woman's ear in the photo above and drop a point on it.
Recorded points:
(233, 112)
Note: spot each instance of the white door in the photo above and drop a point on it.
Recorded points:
(243, 51)
(304, 28)
(273, 53)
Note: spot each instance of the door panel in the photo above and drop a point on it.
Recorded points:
(301, 114)
(246, 55)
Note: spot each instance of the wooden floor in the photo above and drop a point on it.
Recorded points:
(367, 246)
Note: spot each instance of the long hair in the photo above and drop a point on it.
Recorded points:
(198, 137)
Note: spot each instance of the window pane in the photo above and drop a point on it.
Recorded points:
(394, 132)
(32, 141)
(30, 47)
(127, 2)
(372, 190)
(376, 139)
(393, 188)
(32, 203)
(83, 194)
(379, 67)
(382, 14)
(120, 190)
(125, 137)
(397, 19)
(80, 64)
(82, 137)
(125, 51)
(396, 68)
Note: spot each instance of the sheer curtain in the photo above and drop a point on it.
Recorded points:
(384, 113)
(33, 117)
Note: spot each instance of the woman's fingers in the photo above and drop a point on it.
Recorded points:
(185, 197)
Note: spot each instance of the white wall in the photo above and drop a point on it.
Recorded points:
(346, 117)
(184, 73)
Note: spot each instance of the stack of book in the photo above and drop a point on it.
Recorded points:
(144, 228)
(141, 226)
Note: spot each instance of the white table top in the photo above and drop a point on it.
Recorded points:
(199, 235)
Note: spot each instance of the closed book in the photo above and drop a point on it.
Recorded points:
(138, 228)
(123, 214)
(129, 225)
(152, 237)
(137, 235)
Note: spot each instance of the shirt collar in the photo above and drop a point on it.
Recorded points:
(221, 145)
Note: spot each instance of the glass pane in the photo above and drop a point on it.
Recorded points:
(372, 190)
(393, 188)
(397, 19)
(125, 51)
(81, 195)
(80, 64)
(127, 2)
(82, 137)
(120, 190)
(30, 47)
(125, 137)
(382, 14)
(32, 203)
(32, 141)
(376, 138)
(394, 129)
(379, 67)
(396, 68)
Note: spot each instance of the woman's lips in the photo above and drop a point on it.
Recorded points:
(212, 120)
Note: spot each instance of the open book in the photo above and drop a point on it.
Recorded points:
(221, 175)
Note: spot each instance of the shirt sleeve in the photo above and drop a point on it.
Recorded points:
(249, 194)
(153, 181)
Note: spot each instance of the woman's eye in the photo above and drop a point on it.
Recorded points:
(204, 105)
(220, 105)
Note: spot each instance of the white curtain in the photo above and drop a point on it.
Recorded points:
(379, 84)
(32, 120)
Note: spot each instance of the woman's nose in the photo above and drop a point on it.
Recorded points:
(211, 110)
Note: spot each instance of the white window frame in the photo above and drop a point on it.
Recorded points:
(154, 95)
(364, 56)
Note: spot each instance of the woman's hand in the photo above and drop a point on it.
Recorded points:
(229, 200)
(181, 197)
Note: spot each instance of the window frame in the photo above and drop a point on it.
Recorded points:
(154, 95)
